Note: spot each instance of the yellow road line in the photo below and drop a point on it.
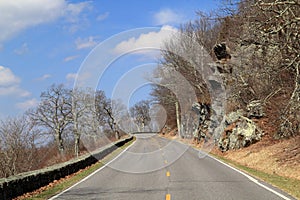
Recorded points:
(168, 197)
(168, 173)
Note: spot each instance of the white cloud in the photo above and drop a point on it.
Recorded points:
(71, 76)
(81, 80)
(13, 90)
(18, 15)
(85, 42)
(27, 104)
(102, 16)
(7, 77)
(151, 40)
(74, 18)
(22, 50)
(69, 58)
(168, 16)
(9, 83)
(73, 10)
(44, 77)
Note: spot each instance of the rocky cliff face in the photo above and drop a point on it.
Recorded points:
(202, 111)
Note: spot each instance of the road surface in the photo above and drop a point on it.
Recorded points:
(160, 169)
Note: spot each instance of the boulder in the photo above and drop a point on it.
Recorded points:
(240, 133)
(255, 109)
(233, 116)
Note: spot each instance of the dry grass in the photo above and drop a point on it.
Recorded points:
(273, 157)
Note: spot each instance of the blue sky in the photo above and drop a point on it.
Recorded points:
(46, 41)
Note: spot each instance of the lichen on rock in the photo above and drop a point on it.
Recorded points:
(240, 132)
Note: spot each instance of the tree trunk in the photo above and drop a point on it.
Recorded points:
(143, 126)
(76, 134)
(60, 143)
(117, 135)
(178, 119)
(77, 143)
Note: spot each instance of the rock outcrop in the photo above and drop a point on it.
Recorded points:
(255, 109)
(233, 117)
(240, 132)
(222, 53)
(202, 110)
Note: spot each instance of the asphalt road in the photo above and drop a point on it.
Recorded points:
(160, 169)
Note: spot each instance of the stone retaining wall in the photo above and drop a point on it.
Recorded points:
(29, 181)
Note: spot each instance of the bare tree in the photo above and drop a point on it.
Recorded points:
(104, 112)
(141, 114)
(280, 28)
(18, 151)
(54, 113)
(81, 105)
(186, 56)
(164, 97)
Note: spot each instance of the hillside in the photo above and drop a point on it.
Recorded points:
(280, 157)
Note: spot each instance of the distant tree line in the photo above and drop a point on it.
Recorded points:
(65, 122)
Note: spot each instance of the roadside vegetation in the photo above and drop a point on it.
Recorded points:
(65, 124)
(60, 185)
(254, 47)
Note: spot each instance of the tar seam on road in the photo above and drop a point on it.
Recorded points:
(54, 197)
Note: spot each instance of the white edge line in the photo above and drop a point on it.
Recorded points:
(54, 197)
(243, 173)
(251, 179)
